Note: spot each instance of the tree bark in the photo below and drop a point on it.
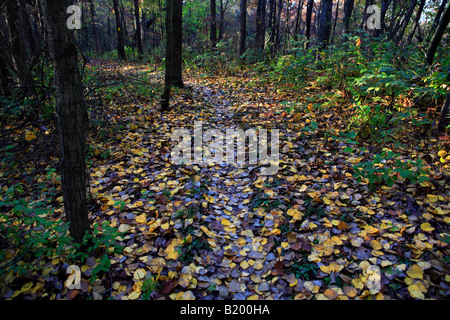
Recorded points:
(445, 115)
(173, 63)
(416, 21)
(348, 9)
(242, 26)
(94, 28)
(138, 29)
(260, 24)
(323, 35)
(405, 22)
(437, 36)
(437, 17)
(72, 116)
(119, 30)
(213, 24)
(309, 9)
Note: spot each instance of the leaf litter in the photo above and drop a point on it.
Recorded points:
(220, 231)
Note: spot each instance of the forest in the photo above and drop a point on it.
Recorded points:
(224, 150)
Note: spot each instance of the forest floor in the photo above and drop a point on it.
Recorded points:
(223, 231)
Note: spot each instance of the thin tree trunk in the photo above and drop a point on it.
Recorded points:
(72, 116)
(437, 18)
(406, 21)
(445, 115)
(213, 29)
(119, 30)
(94, 28)
(416, 21)
(243, 27)
(309, 9)
(138, 29)
(437, 36)
(348, 9)
(335, 21)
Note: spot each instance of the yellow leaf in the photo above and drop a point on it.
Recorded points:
(134, 295)
(26, 287)
(415, 272)
(442, 153)
(139, 274)
(244, 264)
(141, 218)
(326, 200)
(330, 294)
(30, 135)
(350, 291)
(426, 227)
(225, 222)
(292, 212)
(376, 245)
(415, 292)
(188, 295)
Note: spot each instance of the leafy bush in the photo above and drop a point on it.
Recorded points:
(387, 168)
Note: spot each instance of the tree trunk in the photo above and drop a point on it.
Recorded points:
(242, 27)
(177, 31)
(348, 9)
(437, 18)
(119, 30)
(406, 21)
(437, 36)
(173, 63)
(260, 24)
(323, 36)
(138, 30)
(19, 47)
(222, 13)
(72, 116)
(445, 115)
(94, 29)
(298, 20)
(278, 26)
(213, 28)
(335, 21)
(309, 9)
(416, 21)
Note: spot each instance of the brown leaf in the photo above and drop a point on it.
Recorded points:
(278, 270)
(169, 285)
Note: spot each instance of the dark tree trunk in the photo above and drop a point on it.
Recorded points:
(19, 47)
(445, 115)
(309, 9)
(222, 14)
(72, 116)
(437, 36)
(298, 20)
(437, 18)
(138, 29)
(177, 31)
(173, 64)
(94, 28)
(323, 36)
(416, 21)
(335, 21)
(242, 27)
(405, 22)
(119, 30)
(348, 10)
(213, 28)
(260, 24)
